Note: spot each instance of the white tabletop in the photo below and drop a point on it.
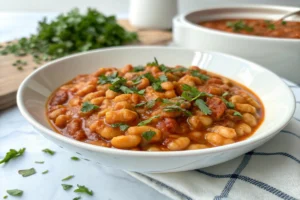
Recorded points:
(107, 184)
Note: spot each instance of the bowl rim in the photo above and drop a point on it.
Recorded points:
(183, 19)
(112, 151)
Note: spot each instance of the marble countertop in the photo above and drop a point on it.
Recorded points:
(107, 184)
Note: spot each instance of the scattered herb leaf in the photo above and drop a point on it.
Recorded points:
(68, 178)
(283, 22)
(83, 189)
(5, 197)
(87, 107)
(117, 83)
(176, 108)
(49, 151)
(15, 192)
(225, 94)
(150, 104)
(122, 126)
(138, 68)
(148, 135)
(147, 121)
(12, 154)
(27, 172)
(140, 104)
(236, 113)
(77, 198)
(191, 93)
(102, 79)
(66, 186)
(39, 162)
(203, 107)
(228, 104)
(239, 25)
(75, 158)
(45, 172)
(197, 74)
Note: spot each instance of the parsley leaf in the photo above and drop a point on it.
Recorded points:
(83, 189)
(49, 151)
(27, 172)
(154, 63)
(128, 90)
(122, 126)
(140, 104)
(138, 68)
(102, 79)
(164, 68)
(163, 78)
(68, 178)
(148, 135)
(239, 25)
(66, 186)
(147, 121)
(77, 198)
(5, 197)
(203, 107)
(155, 83)
(45, 172)
(179, 69)
(75, 158)
(236, 113)
(191, 93)
(15, 192)
(12, 154)
(39, 162)
(87, 107)
(197, 74)
(176, 108)
(283, 22)
(117, 83)
(225, 94)
(150, 104)
(270, 25)
(227, 103)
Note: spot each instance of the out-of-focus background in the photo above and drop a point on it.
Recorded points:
(121, 6)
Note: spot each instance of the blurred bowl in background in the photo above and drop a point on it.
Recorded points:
(280, 55)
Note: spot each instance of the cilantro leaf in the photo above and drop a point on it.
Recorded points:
(122, 126)
(39, 162)
(83, 189)
(27, 172)
(270, 25)
(147, 121)
(75, 158)
(12, 154)
(236, 113)
(49, 151)
(15, 192)
(68, 178)
(87, 107)
(225, 94)
(239, 25)
(227, 103)
(283, 22)
(45, 172)
(179, 69)
(148, 135)
(155, 83)
(197, 74)
(128, 90)
(154, 63)
(191, 93)
(150, 104)
(117, 83)
(138, 68)
(141, 104)
(77, 198)
(163, 78)
(102, 79)
(176, 108)
(203, 107)
(164, 68)
(5, 197)
(66, 186)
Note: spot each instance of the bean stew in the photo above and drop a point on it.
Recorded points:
(154, 108)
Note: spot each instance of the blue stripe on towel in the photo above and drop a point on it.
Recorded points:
(234, 176)
(277, 153)
(247, 179)
(167, 187)
(291, 133)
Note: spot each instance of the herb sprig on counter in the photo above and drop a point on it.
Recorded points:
(70, 33)
(12, 154)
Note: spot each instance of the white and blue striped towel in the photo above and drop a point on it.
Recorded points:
(271, 171)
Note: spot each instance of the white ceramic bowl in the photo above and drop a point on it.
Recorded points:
(281, 56)
(276, 96)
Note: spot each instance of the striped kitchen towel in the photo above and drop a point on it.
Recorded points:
(271, 171)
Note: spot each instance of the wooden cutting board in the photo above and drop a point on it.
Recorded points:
(11, 77)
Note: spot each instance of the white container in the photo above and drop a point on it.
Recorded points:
(280, 55)
(277, 98)
(152, 14)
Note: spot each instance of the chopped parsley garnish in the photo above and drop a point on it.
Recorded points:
(163, 78)
(270, 25)
(102, 79)
(239, 25)
(225, 94)
(227, 103)
(154, 63)
(75, 158)
(49, 151)
(147, 121)
(128, 90)
(68, 178)
(117, 83)
(138, 68)
(148, 135)
(164, 68)
(197, 74)
(45, 172)
(203, 107)
(191, 93)
(140, 104)
(15, 192)
(12, 154)
(122, 126)
(66, 186)
(179, 69)
(155, 83)
(236, 113)
(87, 107)
(27, 172)
(283, 22)
(77, 198)
(5, 197)
(39, 162)
(83, 189)
(150, 104)
(176, 108)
